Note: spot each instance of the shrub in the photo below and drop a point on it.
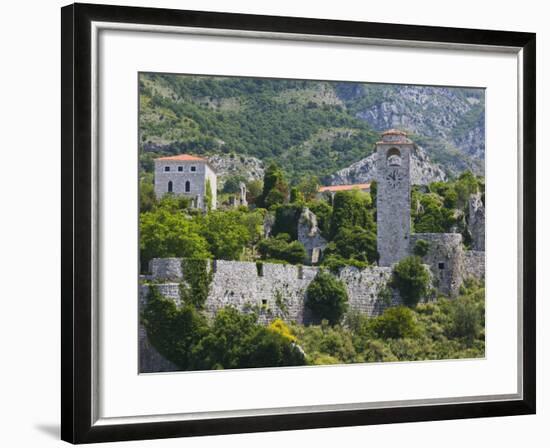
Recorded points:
(421, 248)
(395, 322)
(171, 330)
(411, 279)
(327, 298)
(465, 320)
(279, 248)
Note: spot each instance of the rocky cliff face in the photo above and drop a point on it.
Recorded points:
(227, 165)
(449, 123)
(423, 171)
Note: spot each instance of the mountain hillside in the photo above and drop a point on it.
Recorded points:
(448, 122)
(309, 128)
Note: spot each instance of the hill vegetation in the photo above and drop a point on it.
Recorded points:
(307, 127)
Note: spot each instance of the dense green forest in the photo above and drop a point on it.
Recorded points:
(307, 127)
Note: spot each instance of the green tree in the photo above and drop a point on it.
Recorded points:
(208, 195)
(235, 340)
(173, 331)
(421, 248)
(309, 186)
(147, 198)
(466, 185)
(296, 196)
(232, 184)
(254, 189)
(396, 322)
(323, 211)
(411, 279)
(226, 233)
(327, 297)
(354, 243)
(167, 234)
(275, 189)
(351, 208)
(281, 248)
(466, 320)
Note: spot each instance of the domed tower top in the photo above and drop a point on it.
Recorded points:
(394, 136)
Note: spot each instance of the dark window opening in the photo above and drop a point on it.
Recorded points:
(166, 168)
(264, 302)
(193, 169)
(170, 187)
(441, 265)
(187, 186)
(180, 168)
(260, 269)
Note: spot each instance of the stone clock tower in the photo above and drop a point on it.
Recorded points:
(393, 196)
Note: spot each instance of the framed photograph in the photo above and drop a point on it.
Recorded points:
(276, 223)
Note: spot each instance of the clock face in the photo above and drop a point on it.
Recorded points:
(394, 178)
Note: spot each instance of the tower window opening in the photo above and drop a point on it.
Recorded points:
(187, 186)
(170, 187)
(193, 169)
(180, 168)
(393, 157)
(166, 168)
(441, 265)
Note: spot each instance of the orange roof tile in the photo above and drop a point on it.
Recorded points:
(344, 187)
(183, 158)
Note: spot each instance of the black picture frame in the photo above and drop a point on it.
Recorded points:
(76, 167)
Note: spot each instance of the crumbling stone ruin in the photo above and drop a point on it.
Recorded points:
(309, 235)
(476, 222)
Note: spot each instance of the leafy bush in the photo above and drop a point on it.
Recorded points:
(275, 188)
(167, 234)
(197, 278)
(354, 243)
(173, 331)
(281, 248)
(421, 248)
(350, 209)
(396, 322)
(327, 297)
(232, 184)
(411, 279)
(334, 262)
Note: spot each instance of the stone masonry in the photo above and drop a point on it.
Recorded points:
(309, 235)
(273, 290)
(476, 222)
(185, 175)
(394, 196)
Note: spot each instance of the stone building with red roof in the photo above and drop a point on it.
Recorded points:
(186, 175)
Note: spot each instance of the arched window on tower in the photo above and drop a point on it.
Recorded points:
(393, 157)
(170, 187)
(187, 186)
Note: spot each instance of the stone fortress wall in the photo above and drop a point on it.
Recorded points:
(273, 290)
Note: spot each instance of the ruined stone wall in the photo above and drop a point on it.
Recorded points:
(309, 235)
(476, 222)
(272, 290)
(474, 265)
(445, 257)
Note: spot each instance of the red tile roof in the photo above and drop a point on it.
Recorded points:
(183, 158)
(344, 187)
